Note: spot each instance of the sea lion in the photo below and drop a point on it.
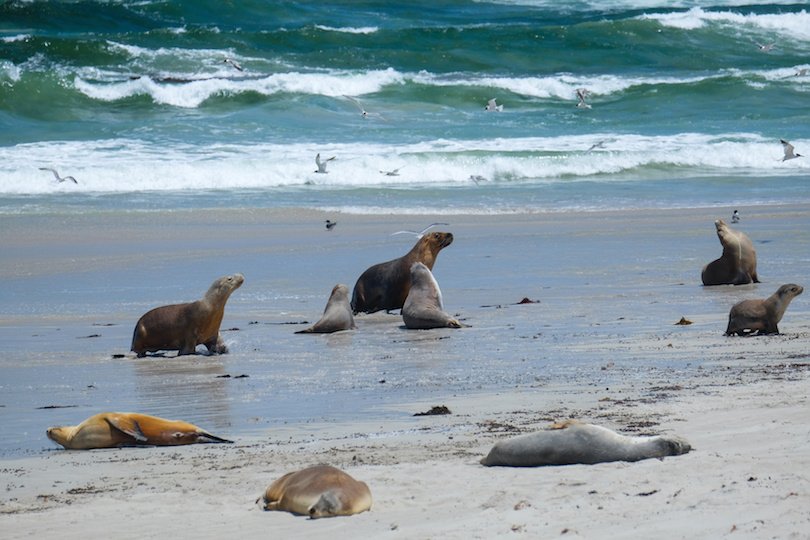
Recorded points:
(336, 316)
(573, 442)
(738, 263)
(112, 429)
(319, 491)
(181, 327)
(761, 315)
(423, 307)
(386, 285)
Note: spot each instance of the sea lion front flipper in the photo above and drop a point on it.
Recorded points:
(127, 425)
(204, 436)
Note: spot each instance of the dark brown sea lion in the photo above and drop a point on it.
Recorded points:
(112, 429)
(336, 316)
(386, 285)
(738, 263)
(572, 442)
(761, 315)
(181, 327)
(319, 491)
(424, 307)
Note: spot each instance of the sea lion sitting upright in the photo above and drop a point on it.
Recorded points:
(386, 285)
(572, 442)
(112, 429)
(319, 491)
(337, 315)
(424, 307)
(738, 263)
(181, 327)
(761, 316)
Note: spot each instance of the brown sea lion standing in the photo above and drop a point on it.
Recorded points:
(738, 263)
(424, 307)
(181, 327)
(336, 316)
(112, 429)
(319, 491)
(761, 316)
(386, 285)
(572, 442)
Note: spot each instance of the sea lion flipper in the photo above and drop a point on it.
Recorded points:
(127, 425)
(204, 436)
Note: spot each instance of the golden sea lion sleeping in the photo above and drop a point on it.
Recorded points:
(319, 491)
(113, 429)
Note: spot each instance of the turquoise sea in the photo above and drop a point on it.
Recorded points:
(134, 99)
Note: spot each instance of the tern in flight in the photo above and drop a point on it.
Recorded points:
(788, 148)
(492, 106)
(322, 164)
(56, 175)
(421, 233)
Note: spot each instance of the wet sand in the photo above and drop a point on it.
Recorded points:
(599, 345)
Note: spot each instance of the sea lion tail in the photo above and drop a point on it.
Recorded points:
(305, 331)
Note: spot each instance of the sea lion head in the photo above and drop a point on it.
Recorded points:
(789, 290)
(59, 434)
(339, 292)
(327, 505)
(676, 446)
(226, 284)
(439, 240)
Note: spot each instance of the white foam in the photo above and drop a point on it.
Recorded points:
(349, 30)
(794, 26)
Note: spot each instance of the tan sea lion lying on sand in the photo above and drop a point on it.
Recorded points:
(738, 263)
(112, 429)
(336, 316)
(573, 442)
(761, 316)
(319, 491)
(423, 307)
(181, 327)
(386, 285)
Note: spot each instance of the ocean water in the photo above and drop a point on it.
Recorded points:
(134, 99)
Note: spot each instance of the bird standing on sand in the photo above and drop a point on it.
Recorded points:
(735, 217)
(492, 106)
(788, 148)
(330, 224)
(582, 93)
(56, 175)
(322, 164)
(421, 233)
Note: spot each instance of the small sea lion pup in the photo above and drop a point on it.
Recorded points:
(113, 429)
(336, 316)
(761, 316)
(181, 327)
(572, 442)
(738, 263)
(319, 491)
(424, 308)
(386, 285)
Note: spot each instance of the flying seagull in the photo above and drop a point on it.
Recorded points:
(421, 233)
(363, 112)
(492, 106)
(582, 93)
(788, 150)
(322, 164)
(394, 172)
(765, 47)
(56, 175)
(234, 63)
(330, 224)
(598, 144)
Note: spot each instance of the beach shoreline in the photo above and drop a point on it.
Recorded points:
(600, 345)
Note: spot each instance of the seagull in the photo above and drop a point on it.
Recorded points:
(234, 63)
(582, 93)
(421, 233)
(735, 217)
(322, 164)
(492, 106)
(330, 224)
(395, 172)
(477, 178)
(800, 72)
(363, 112)
(765, 47)
(56, 175)
(788, 150)
(598, 144)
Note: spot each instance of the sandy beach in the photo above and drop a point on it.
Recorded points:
(600, 344)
